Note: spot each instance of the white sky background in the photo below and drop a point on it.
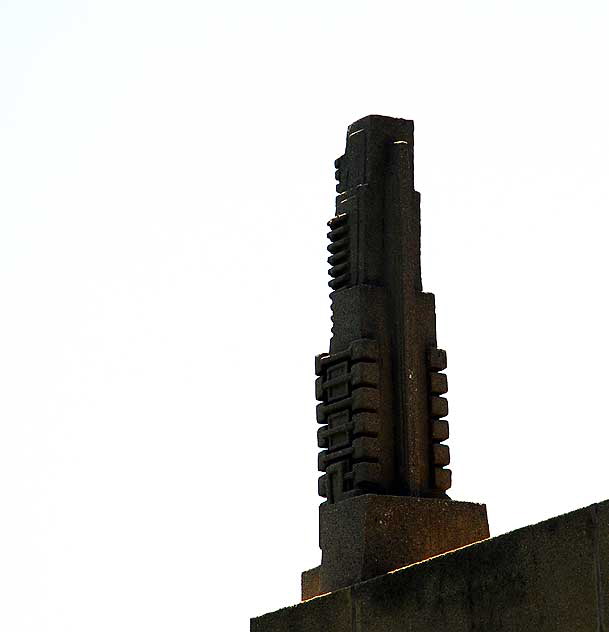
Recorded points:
(166, 172)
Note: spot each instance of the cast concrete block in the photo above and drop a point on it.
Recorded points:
(369, 535)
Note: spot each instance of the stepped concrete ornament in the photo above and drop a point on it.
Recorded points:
(381, 385)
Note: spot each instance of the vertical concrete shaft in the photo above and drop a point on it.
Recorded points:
(380, 385)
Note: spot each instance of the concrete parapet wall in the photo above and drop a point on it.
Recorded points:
(548, 577)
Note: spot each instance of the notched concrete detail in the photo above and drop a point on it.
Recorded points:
(377, 299)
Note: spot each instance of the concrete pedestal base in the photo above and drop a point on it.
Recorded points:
(370, 535)
(549, 577)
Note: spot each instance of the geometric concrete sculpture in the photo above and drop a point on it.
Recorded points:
(383, 459)
(380, 386)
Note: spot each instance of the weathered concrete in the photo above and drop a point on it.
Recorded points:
(381, 385)
(549, 577)
(309, 583)
(370, 535)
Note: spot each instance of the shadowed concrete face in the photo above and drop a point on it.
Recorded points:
(549, 577)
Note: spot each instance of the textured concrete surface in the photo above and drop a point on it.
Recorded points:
(309, 583)
(380, 386)
(549, 577)
(331, 613)
(370, 535)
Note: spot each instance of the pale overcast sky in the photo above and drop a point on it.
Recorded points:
(166, 172)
